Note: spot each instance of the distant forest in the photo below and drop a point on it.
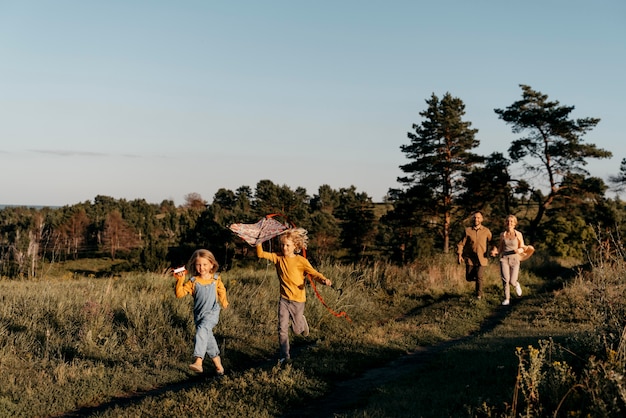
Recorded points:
(562, 210)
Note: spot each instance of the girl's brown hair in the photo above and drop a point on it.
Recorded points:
(202, 253)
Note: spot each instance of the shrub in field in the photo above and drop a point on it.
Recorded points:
(594, 384)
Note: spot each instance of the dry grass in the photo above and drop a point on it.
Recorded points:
(120, 346)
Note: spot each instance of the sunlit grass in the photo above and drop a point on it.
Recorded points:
(92, 339)
(120, 345)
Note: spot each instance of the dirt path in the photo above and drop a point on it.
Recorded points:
(348, 394)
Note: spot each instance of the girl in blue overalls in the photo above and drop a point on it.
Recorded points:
(208, 294)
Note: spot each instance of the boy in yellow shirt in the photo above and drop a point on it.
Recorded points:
(291, 269)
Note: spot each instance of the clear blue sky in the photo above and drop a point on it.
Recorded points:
(158, 99)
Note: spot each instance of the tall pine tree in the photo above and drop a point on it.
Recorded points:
(552, 147)
(440, 154)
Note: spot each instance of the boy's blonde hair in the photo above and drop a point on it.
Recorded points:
(298, 236)
(202, 253)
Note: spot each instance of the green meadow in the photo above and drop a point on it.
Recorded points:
(416, 344)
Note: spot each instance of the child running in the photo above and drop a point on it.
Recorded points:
(208, 294)
(291, 269)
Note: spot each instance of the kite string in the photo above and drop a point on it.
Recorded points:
(267, 267)
(341, 314)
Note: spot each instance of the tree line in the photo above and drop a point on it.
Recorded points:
(562, 210)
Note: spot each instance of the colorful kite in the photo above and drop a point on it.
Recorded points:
(264, 230)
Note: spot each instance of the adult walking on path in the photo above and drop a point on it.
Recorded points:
(512, 250)
(472, 249)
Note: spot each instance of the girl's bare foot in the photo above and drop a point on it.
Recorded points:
(219, 369)
(196, 366)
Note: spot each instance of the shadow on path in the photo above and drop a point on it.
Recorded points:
(349, 394)
(136, 397)
(193, 380)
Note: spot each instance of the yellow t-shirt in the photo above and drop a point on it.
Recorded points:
(291, 271)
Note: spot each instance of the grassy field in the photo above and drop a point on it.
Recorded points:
(76, 344)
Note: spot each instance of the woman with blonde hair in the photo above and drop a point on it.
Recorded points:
(510, 247)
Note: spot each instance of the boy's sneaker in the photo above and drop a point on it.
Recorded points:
(506, 302)
(518, 289)
(305, 333)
